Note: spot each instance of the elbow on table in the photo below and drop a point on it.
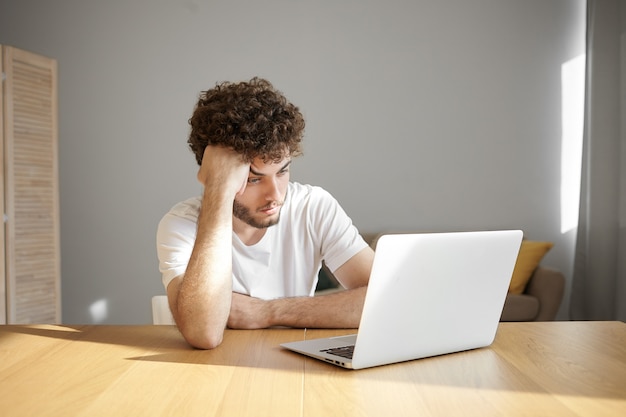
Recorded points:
(205, 340)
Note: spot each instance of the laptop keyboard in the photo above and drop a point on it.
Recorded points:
(344, 351)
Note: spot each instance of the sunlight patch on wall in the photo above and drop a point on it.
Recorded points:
(99, 310)
(573, 104)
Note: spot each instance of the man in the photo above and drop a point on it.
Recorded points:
(246, 254)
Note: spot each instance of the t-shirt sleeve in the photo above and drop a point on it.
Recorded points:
(340, 239)
(175, 239)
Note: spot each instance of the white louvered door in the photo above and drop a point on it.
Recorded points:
(30, 189)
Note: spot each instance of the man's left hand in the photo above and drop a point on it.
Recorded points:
(248, 313)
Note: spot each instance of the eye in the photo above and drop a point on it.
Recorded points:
(254, 180)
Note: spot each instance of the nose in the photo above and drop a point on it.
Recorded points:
(272, 193)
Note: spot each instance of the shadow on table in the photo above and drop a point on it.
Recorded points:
(247, 348)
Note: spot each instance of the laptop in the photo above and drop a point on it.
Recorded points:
(428, 294)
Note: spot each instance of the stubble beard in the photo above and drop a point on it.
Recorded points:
(243, 213)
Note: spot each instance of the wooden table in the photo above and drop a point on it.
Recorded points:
(532, 369)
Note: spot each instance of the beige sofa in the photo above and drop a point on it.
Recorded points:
(541, 298)
(540, 301)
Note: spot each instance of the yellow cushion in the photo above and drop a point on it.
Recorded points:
(530, 254)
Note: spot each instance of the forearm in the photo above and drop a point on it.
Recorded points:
(340, 310)
(204, 294)
(337, 310)
(201, 299)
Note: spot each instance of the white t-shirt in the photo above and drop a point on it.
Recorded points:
(285, 262)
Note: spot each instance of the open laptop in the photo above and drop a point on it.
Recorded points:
(429, 294)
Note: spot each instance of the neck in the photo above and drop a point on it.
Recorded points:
(249, 235)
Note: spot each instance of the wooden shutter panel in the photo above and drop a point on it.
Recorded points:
(31, 188)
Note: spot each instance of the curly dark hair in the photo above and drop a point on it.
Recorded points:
(252, 118)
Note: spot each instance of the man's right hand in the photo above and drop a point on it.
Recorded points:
(223, 167)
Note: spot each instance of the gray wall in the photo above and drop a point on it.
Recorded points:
(421, 115)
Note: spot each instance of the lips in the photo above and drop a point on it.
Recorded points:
(271, 209)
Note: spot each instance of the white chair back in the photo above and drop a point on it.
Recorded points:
(161, 313)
